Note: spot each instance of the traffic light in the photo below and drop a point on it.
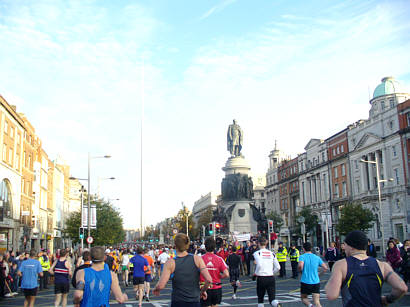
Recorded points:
(270, 226)
(217, 227)
(211, 228)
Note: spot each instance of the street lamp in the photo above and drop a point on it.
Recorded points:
(99, 183)
(376, 162)
(326, 208)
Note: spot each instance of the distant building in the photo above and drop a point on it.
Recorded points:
(203, 204)
(259, 195)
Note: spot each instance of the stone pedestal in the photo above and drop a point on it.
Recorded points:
(241, 217)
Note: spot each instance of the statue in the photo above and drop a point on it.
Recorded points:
(235, 139)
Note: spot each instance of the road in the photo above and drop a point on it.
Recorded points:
(287, 294)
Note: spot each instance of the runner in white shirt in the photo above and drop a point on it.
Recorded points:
(162, 259)
(124, 266)
(266, 266)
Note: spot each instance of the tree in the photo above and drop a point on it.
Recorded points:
(311, 220)
(277, 220)
(354, 217)
(109, 225)
(204, 219)
(180, 222)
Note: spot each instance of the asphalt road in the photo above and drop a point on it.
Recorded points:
(287, 293)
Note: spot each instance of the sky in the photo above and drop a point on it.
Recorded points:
(88, 73)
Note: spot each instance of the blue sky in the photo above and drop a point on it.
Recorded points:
(83, 71)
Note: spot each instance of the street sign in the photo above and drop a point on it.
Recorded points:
(90, 240)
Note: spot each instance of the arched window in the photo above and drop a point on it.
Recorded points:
(5, 200)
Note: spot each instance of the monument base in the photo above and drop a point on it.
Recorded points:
(241, 217)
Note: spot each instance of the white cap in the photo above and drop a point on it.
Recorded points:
(203, 246)
(107, 251)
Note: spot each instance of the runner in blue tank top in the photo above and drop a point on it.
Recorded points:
(361, 277)
(95, 283)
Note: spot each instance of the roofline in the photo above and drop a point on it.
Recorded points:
(341, 131)
(13, 113)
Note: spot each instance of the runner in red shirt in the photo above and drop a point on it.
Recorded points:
(215, 265)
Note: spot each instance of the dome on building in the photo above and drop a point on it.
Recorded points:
(388, 86)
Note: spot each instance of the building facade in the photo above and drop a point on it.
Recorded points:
(203, 204)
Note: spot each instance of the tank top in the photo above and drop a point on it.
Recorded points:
(362, 286)
(61, 273)
(97, 287)
(185, 282)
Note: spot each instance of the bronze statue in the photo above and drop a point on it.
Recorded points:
(235, 139)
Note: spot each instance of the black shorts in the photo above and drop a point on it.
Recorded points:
(265, 284)
(148, 277)
(214, 297)
(61, 288)
(233, 274)
(30, 292)
(309, 288)
(138, 280)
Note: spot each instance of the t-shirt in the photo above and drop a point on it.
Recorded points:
(311, 263)
(163, 258)
(30, 269)
(215, 265)
(125, 259)
(266, 263)
(234, 261)
(139, 262)
(150, 262)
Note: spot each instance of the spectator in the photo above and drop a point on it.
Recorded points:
(405, 264)
(2, 276)
(108, 259)
(45, 264)
(332, 255)
(393, 256)
(371, 250)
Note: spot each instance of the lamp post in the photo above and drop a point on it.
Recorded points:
(376, 162)
(326, 209)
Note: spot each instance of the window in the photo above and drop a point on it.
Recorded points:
(18, 138)
(6, 127)
(396, 175)
(29, 161)
(4, 152)
(337, 150)
(354, 142)
(323, 157)
(394, 152)
(11, 156)
(408, 119)
(357, 186)
(12, 132)
(356, 164)
(262, 194)
(382, 105)
(343, 170)
(344, 189)
(334, 151)
(336, 191)
(341, 148)
(335, 172)
(391, 124)
(17, 161)
(24, 159)
(391, 103)
(303, 192)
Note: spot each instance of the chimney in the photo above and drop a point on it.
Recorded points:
(14, 108)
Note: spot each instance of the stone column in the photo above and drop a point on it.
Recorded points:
(383, 158)
(372, 172)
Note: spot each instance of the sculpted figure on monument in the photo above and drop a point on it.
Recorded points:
(235, 139)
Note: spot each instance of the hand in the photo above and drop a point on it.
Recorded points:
(124, 298)
(204, 295)
(156, 291)
(384, 301)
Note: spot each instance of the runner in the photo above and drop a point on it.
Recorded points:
(162, 258)
(234, 262)
(61, 269)
(138, 278)
(266, 266)
(124, 267)
(30, 269)
(87, 294)
(361, 277)
(310, 282)
(86, 259)
(215, 265)
(149, 271)
(186, 269)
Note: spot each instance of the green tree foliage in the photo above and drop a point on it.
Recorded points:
(311, 220)
(277, 220)
(109, 225)
(354, 217)
(180, 222)
(204, 219)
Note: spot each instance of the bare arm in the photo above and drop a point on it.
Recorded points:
(324, 267)
(51, 270)
(399, 288)
(204, 272)
(300, 266)
(336, 279)
(78, 293)
(225, 274)
(68, 266)
(115, 288)
(165, 275)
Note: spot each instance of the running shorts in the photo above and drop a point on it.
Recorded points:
(309, 288)
(138, 281)
(30, 292)
(233, 274)
(148, 277)
(214, 297)
(124, 268)
(62, 288)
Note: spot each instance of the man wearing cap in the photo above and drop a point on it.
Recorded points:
(108, 259)
(282, 255)
(360, 277)
(294, 259)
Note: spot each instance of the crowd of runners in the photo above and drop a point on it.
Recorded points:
(196, 272)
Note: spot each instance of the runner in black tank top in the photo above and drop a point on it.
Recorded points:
(361, 277)
(185, 269)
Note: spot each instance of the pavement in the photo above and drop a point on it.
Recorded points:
(287, 292)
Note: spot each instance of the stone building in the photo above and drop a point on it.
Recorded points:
(203, 204)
